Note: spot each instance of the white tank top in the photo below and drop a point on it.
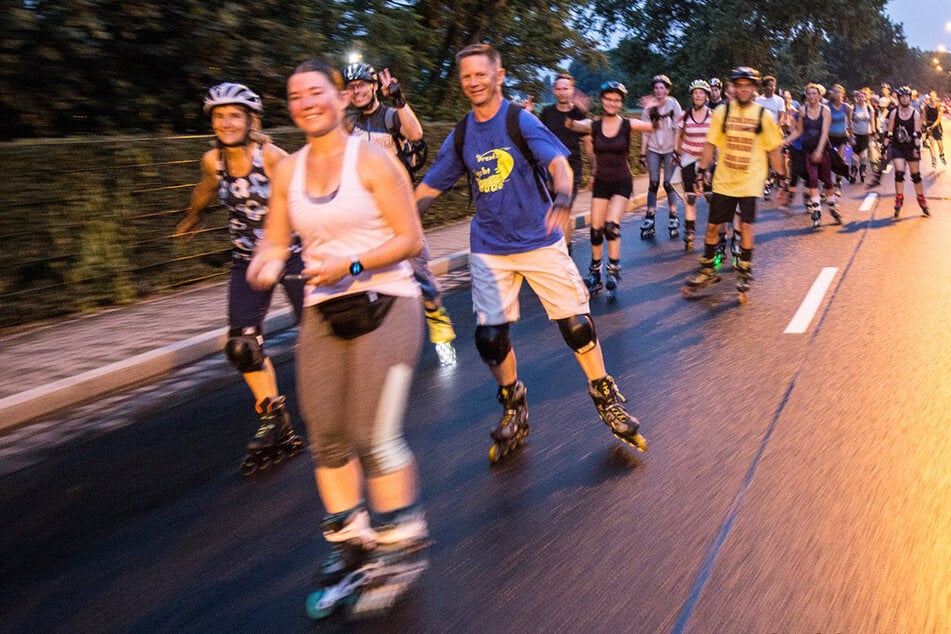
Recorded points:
(346, 223)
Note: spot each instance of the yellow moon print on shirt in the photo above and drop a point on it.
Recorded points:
(489, 178)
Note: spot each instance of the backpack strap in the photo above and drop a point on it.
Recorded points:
(458, 140)
(513, 127)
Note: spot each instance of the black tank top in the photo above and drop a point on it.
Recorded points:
(811, 131)
(612, 153)
(904, 130)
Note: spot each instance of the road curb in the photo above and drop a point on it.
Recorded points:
(44, 400)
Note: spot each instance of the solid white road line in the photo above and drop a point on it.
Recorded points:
(869, 201)
(807, 310)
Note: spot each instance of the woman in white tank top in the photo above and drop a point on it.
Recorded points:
(352, 205)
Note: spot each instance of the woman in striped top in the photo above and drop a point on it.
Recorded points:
(694, 126)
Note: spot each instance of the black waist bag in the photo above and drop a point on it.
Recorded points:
(353, 315)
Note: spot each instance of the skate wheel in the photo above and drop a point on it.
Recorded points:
(248, 467)
(742, 298)
(495, 453)
(277, 457)
(263, 463)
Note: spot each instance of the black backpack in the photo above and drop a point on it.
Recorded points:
(412, 154)
(514, 129)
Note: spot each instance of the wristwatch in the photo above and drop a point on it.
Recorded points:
(356, 268)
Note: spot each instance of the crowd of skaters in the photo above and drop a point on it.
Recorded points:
(338, 224)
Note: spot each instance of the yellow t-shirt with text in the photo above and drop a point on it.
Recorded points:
(742, 165)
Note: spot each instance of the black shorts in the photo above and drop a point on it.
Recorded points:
(689, 176)
(722, 209)
(910, 153)
(837, 141)
(602, 189)
(861, 143)
(936, 133)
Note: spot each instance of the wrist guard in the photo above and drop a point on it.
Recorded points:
(396, 95)
(563, 200)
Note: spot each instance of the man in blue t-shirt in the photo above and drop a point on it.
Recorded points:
(516, 234)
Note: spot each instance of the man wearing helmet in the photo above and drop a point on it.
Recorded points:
(904, 139)
(238, 172)
(716, 92)
(694, 126)
(657, 148)
(387, 127)
(744, 138)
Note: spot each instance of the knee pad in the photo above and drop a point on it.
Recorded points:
(899, 176)
(652, 186)
(612, 231)
(245, 349)
(691, 198)
(385, 457)
(597, 236)
(669, 188)
(493, 343)
(578, 332)
(915, 177)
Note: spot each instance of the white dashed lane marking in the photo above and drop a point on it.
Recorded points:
(807, 310)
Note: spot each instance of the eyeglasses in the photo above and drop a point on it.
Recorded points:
(612, 100)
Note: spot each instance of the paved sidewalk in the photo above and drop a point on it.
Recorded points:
(59, 365)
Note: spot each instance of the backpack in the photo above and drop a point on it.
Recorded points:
(412, 154)
(726, 116)
(514, 130)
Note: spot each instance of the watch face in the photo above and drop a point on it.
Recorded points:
(356, 268)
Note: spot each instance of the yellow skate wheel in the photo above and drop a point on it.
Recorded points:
(495, 453)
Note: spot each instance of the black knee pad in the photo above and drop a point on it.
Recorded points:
(612, 231)
(899, 177)
(597, 236)
(669, 189)
(916, 177)
(578, 332)
(245, 349)
(691, 198)
(493, 343)
(652, 186)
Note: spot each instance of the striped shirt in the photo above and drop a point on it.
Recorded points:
(695, 133)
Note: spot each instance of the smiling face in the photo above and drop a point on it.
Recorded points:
(314, 103)
(361, 93)
(698, 96)
(743, 90)
(660, 90)
(563, 90)
(230, 123)
(612, 102)
(481, 79)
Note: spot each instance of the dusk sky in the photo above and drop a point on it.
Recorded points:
(927, 22)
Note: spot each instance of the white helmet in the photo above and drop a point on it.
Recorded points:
(229, 94)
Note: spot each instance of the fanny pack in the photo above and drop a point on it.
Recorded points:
(357, 314)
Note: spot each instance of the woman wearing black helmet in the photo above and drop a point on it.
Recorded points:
(613, 182)
(904, 136)
(237, 171)
(657, 148)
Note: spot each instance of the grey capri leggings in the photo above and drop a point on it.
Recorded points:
(353, 393)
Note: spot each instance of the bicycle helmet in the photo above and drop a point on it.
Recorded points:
(745, 72)
(701, 84)
(664, 79)
(359, 72)
(614, 86)
(228, 94)
(904, 90)
(715, 82)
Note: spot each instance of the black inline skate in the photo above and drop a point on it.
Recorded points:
(513, 428)
(611, 282)
(832, 206)
(720, 252)
(647, 227)
(673, 226)
(593, 279)
(275, 438)
(744, 280)
(689, 235)
(735, 242)
(607, 399)
(706, 276)
(815, 213)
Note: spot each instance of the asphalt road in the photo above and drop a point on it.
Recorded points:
(794, 482)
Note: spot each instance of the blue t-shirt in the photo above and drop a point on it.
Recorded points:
(510, 213)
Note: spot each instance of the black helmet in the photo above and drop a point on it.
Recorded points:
(359, 72)
(613, 86)
(745, 72)
(664, 79)
(904, 90)
(715, 82)
(228, 94)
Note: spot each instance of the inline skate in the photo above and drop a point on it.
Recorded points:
(899, 201)
(744, 280)
(689, 235)
(706, 276)
(720, 252)
(833, 210)
(607, 399)
(735, 242)
(647, 227)
(815, 213)
(924, 205)
(441, 334)
(673, 226)
(593, 279)
(611, 282)
(275, 438)
(513, 428)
